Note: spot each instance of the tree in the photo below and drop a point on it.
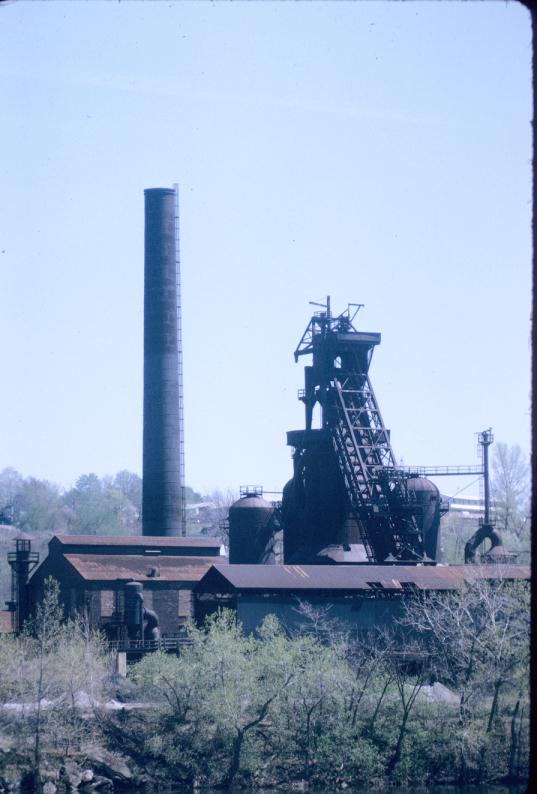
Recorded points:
(510, 488)
(192, 496)
(83, 669)
(477, 639)
(408, 682)
(10, 485)
(55, 671)
(30, 504)
(455, 532)
(314, 735)
(96, 507)
(221, 501)
(42, 638)
(11, 665)
(217, 696)
(129, 486)
(38, 507)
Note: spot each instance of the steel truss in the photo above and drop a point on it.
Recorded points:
(381, 502)
(383, 506)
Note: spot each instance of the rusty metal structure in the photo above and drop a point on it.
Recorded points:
(22, 561)
(361, 597)
(347, 488)
(359, 531)
(496, 553)
(163, 507)
(253, 528)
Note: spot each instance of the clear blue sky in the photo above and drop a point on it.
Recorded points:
(377, 152)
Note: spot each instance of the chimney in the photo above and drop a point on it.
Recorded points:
(163, 509)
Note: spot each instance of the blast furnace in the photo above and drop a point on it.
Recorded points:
(348, 501)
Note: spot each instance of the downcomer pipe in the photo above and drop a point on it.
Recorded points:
(162, 486)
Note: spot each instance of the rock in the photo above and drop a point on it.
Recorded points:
(111, 764)
(73, 780)
(99, 783)
(49, 788)
(50, 774)
(86, 775)
(437, 693)
(70, 776)
(83, 701)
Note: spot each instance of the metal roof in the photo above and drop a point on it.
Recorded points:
(135, 540)
(98, 567)
(356, 577)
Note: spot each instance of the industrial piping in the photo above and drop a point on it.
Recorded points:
(163, 490)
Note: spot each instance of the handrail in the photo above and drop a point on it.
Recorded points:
(441, 471)
(164, 644)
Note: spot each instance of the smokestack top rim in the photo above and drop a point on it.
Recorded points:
(164, 191)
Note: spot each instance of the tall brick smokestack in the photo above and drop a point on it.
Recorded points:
(163, 489)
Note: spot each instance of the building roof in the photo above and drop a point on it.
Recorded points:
(135, 540)
(98, 567)
(354, 577)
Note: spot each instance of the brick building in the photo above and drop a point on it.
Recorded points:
(92, 573)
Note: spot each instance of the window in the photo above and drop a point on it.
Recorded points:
(73, 600)
(107, 603)
(119, 605)
(148, 599)
(185, 603)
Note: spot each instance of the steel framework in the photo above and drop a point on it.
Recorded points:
(382, 504)
(22, 561)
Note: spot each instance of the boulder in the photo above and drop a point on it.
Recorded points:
(99, 783)
(110, 764)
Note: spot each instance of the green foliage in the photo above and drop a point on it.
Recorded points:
(271, 709)
(478, 640)
(52, 672)
(10, 484)
(38, 507)
(129, 486)
(192, 496)
(510, 489)
(267, 709)
(94, 506)
(11, 665)
(218, 692)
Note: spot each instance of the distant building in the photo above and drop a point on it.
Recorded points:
(466, 505)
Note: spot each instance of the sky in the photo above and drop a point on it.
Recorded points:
(376, 152)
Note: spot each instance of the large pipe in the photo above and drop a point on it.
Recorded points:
(163, 490)
(484, 531)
